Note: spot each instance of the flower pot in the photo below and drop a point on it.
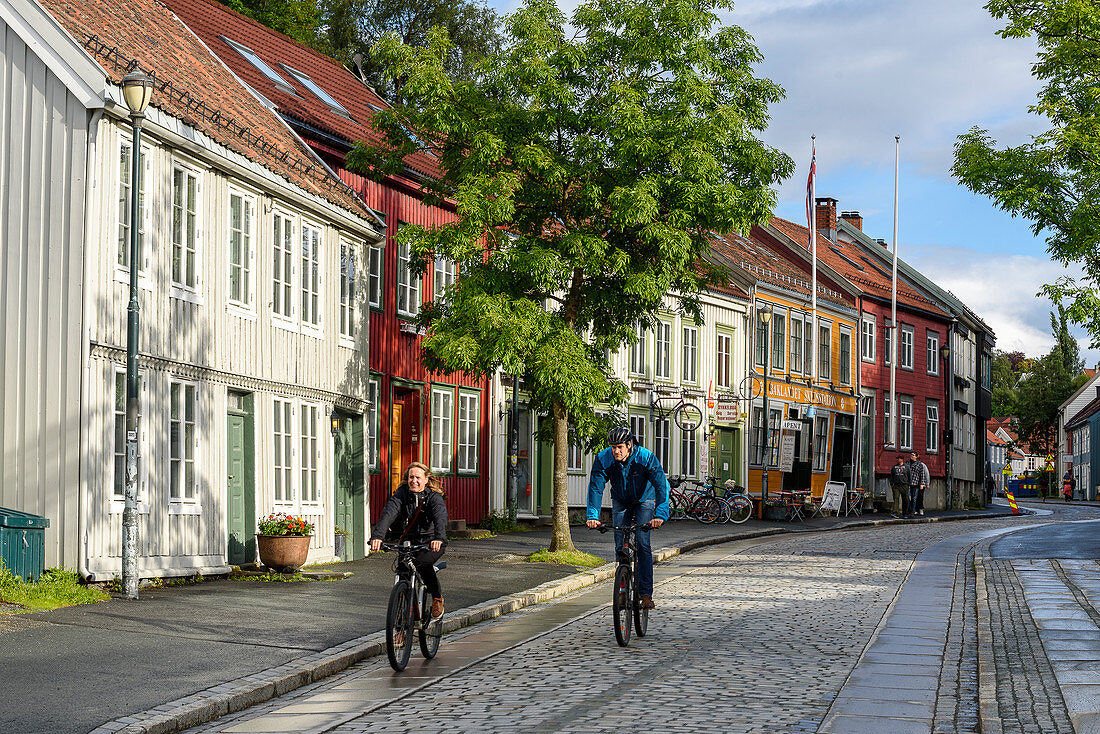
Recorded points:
(283, 552)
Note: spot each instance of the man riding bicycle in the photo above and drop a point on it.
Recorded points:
(639, 495)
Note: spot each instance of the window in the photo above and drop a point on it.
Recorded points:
(637, 352)
(824, 353)
(779, 341)
(576, 454)
(637, 427)
(690, 371)
(185, 207)
(761, 341)
(443, 275)
(469, 416)
(241, 213)
(408, 284)
(119, 490)
(282, 296)
(311, 275)
(442, 410)
(987, 371)
(182, 441)
(867, 339)
(262, 67)
(970, 432)
(932, 342)
(760, 441)
(776, 421)
(796, 345)
(905, 348)
(887, 426)
(283, 434)
(372, 423)
(125, 174)
(662, 345)
(311, 453)
(348, 273)
(932, 427)
(821, 441)
(887, 343)
(303, 79)
(374, 279)
(661, 431)
(688, 452)
(905, 423)
(845, 356)
(724, 350)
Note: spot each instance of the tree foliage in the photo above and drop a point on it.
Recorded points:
(298, 19)
(1054, 179)
(587, 163)
(1049, 383)
(1003, 379)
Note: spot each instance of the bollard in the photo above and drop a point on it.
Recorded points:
(1012, 503)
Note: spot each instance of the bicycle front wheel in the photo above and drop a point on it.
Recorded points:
(430, 629)
(641, 616)
(708, 510)
(399, 626)
(621, 600)
(740, 508)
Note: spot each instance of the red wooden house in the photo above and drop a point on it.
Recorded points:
(417, 416)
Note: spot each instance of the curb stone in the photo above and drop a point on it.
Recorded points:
(989, 720)
(250, 690)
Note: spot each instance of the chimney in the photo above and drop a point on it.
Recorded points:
(826, 216)
(853, 219)
(882, 242)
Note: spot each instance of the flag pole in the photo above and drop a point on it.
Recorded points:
(893, 437)
(813, 254)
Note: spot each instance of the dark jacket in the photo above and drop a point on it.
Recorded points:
(635, 480)
(899, 475)
(431, 523)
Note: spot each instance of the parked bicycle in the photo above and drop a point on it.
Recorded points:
(626, 600)
(410, 608)
(701, 501)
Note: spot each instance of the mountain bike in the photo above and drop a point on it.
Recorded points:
(626, 600)
(410, 608)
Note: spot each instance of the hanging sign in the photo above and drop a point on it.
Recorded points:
(728, 412)
(786, 452)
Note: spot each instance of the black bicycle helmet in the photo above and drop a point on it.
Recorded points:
(619, 434)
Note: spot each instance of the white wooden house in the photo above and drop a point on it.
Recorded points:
(251, 304)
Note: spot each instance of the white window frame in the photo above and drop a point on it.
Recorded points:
(779, 341)
(122, 211)
(284, 294)
(118, 492)
(932, 348)
(637, 427)
(689, 368)
(284, 485)
(762, 340)
(311, 279)
(932, 426)
(575, 458)
(905, 422)
(408, 285)
(798, 364)
(638, 352)
(348, 297)
(825, 352)
(662, 433)
(375, 296)
(442, 447)
(311, 490)
(868, 329)
(374, 386)
(723, 348)
(845, 364)
(469, 420)
(689, 454)
(182, 288)
(444, 274)
(244, 305)
(183, 495)
(821, 441)
(905, 348)
(662, 350)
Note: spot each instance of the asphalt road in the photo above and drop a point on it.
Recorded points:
(1073, 539)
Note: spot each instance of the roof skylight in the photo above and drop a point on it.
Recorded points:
(251, 57)
(302, 78)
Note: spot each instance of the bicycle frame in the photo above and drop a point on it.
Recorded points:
(627, 603)
(418, 610)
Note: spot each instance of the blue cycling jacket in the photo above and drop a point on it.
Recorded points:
(633, 481)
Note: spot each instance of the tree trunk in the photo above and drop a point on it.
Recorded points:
(560, 539)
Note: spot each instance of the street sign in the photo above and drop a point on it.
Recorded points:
(1007, 471)
(1048, 466)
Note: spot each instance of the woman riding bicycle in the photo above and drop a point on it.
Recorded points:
(418, 503)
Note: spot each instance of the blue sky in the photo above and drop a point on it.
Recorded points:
(859, 72)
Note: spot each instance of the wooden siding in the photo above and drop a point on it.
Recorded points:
(43, 162)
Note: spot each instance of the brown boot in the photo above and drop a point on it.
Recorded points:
(437, 607)
(647, 601)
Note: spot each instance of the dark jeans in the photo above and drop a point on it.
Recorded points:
(425, 566)
(916, 495)
(920, 499)
(902, 492)
(638, 514)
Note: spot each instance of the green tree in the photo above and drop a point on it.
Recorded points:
(350, 29)
(1065, 345)
(1003, 381)
(587, 163)
(296, 18)
(1045, 388)
(1054, 179)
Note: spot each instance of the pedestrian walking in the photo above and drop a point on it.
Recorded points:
(919, 479)
(899, 483)
(1069, 484)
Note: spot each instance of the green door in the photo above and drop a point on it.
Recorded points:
(349, 499)
(241, 501)
(728, 458)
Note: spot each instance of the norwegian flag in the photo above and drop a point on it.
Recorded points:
(810, 190)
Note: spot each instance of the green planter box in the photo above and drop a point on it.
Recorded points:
(23, 543)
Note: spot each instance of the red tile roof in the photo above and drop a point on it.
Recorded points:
(858, 268)
(213, 22)
(192, 85)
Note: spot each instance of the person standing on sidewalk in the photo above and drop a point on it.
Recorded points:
(639, 496)
(899, 483)
(919, 479)
(1069, 484)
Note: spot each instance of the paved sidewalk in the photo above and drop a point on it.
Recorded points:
(182, 656)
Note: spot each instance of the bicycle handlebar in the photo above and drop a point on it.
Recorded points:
(603, 528)
(411, 548)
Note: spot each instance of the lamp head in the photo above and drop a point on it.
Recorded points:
(137, 90)
(765, 312)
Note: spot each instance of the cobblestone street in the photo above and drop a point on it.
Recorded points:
(815, 632)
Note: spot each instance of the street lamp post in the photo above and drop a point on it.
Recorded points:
(765, 312)
(137, 90)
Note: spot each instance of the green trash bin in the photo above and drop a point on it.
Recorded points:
(23, 543)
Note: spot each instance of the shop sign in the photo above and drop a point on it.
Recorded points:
(728, 413)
